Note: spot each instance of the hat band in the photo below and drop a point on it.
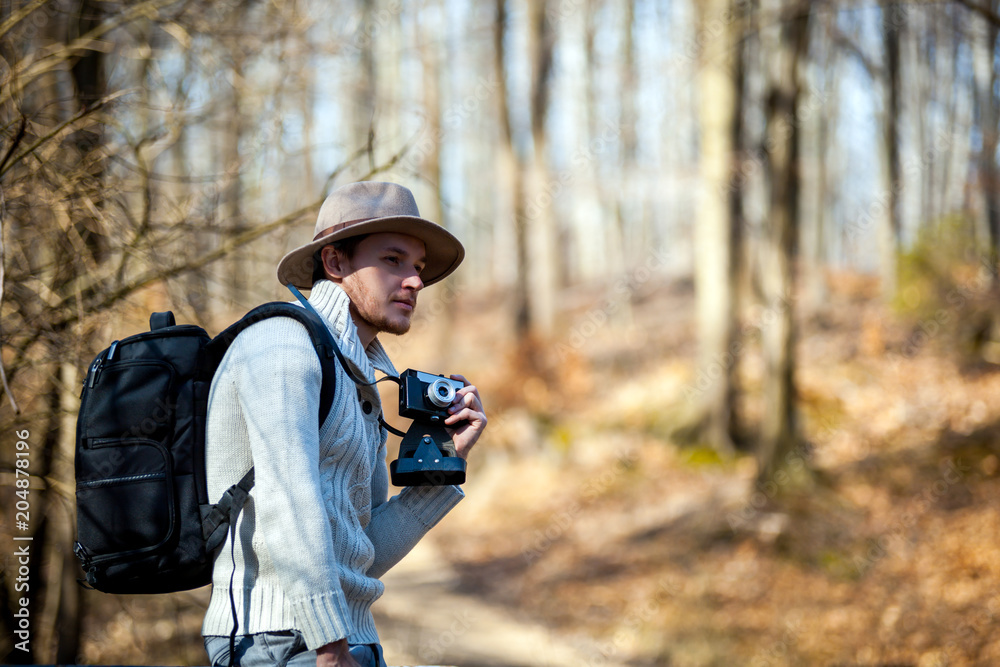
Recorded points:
(336, 228)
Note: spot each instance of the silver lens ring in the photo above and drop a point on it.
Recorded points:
(441, 393)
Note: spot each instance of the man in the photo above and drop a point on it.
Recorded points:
(318, 530)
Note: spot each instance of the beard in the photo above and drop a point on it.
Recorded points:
(374, 310)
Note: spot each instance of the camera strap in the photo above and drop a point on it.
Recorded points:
(336, 348)
(427, 454)
(343, 362)
(390, 429)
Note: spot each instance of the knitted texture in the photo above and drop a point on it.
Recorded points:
(319, 529)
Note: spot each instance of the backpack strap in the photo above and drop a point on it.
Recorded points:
(319, 334)
(222, 517)
(231, 504)
(331, 342)
(227, 509)
(236, 502)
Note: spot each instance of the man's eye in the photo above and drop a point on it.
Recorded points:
(393, 260)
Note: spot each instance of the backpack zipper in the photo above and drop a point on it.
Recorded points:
(81, 552)
(182, 330)
(95, 370)
(115, 481)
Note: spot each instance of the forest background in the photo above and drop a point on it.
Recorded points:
(730, 296)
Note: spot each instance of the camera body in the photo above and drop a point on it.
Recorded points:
(425, 397)
(427, 456)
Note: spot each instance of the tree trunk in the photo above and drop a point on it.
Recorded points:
(90, 85)
(629, 204)
(610, 250)
(925, 132)
(364, 99)
(388, 102)
(49, 603)
(231, 119)
(196, 283)
(427, 38)
(811, 209)
(953, 133)
(714, 229)
(785, 44)
(544, 261)
(63, 566)
(629, 208)
(510, 170)
(63, 606)
(737, 223)
(890, 237)
(815, 251)
(989, 117)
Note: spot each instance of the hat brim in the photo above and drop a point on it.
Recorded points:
(444, 252)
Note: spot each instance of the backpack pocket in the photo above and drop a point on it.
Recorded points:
(124, 468)
(129, 399)
(125, 474)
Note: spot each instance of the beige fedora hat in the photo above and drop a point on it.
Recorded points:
(369, 207)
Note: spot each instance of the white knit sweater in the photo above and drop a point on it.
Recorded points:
(318, 530)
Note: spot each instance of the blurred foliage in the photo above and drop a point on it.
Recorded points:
(949, 292)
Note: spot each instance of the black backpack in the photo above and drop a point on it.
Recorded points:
(144, 523)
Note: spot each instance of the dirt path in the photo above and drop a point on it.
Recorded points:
(424, 621)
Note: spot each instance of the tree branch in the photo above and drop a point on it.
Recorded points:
(22, 129)
(54, 57)
(3, 373)
(94, 301)
(986, 12)
(840, 38)
(20, 15)
(5, 167)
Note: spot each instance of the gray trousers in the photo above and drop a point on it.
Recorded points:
(281, 649)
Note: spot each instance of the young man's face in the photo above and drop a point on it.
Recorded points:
(382, 279)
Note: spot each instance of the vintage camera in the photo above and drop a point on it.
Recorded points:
(426, 397)
(427, 456)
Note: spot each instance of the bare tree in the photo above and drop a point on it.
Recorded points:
(891, 232)
(512, 163)
(715, 254)
(785, 44)
(82, 227)
(232, 121)
(989, 118)
(818, 209)
(543, 258)
(430, 59)
(56, 107)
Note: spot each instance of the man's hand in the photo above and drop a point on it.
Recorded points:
(467, 413)
(335, 654)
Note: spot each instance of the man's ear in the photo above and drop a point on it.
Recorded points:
(335, 265)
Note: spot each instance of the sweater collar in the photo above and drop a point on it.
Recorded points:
(332, 302)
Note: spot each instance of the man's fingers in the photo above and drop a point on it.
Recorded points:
(469, 387)
(466, 414)
(467, 418)
(458, 416)
(466, 398)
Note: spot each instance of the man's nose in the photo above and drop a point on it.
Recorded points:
(413, 282)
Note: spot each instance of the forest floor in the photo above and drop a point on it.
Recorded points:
(595, 532)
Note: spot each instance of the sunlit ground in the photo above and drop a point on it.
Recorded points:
(585, 517)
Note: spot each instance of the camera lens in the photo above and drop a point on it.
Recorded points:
(441, 393)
